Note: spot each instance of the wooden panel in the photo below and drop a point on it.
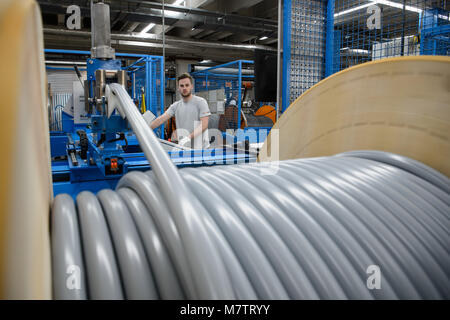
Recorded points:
(25, 180)
(399, 105)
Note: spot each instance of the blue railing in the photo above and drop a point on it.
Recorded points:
(212, 79)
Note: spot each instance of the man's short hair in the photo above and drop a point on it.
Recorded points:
(186, 76)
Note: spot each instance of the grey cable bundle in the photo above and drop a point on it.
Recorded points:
(308, 232)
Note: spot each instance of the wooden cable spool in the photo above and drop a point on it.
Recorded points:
(25, 175)
(399, 105)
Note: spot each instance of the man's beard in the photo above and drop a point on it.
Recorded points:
(186, 95)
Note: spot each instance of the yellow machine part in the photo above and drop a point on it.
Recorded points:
(25, 179)
(267, 111)
(399, 105)
(143, 107)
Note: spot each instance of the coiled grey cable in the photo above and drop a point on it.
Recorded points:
(67, 256)
(309, 231)
(137, 278)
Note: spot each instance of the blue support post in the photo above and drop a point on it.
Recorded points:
(329, 51)
(133, 89)
(239, 93)
(163, 93)
(286, 54)
(149, 84)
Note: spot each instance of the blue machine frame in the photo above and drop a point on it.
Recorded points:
(207, 74)
(144, 62)
(434, 36)
(202, 80)
(71, 178)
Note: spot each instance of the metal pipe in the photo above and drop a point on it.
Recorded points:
(224, 70)
(101, 32)
(168, 40)
(280, 25)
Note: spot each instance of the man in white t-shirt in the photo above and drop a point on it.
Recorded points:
(191, 115)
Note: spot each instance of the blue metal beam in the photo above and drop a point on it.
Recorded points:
(286, 54)
(329, 51)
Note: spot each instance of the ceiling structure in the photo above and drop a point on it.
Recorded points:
(218, 30)
(193, 29)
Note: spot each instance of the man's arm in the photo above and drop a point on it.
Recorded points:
(200, 128)
(160, 120)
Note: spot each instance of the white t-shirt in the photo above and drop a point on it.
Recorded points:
(187, 115)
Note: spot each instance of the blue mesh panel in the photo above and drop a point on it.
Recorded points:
(372, 30)
(330, 36)
(304, 46)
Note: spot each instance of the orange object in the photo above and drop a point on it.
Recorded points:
(247, 85)
(267, 111)
(114, 165)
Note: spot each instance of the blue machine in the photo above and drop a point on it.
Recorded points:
(435, 32)
(96, 155)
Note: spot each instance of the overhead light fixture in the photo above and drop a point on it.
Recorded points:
(354, 9)
(399, 6)
(384, 2)
(178, 2)
(263, 38)
(205, 61)
(147, 28)
(193, 28)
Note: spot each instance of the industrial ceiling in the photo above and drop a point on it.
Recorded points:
(193, 29)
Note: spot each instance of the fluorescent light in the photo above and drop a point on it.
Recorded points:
(354, 9)
(384, 2)
(65, 62)
(178, 2)
(399, 5)
(361, 51)
(263, 38)
(147, 28)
